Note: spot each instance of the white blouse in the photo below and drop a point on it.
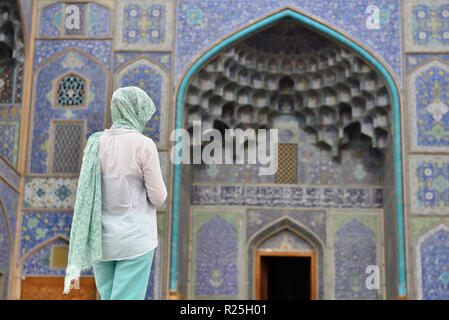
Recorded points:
(132, 188)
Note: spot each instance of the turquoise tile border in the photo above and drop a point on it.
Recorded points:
(289, 13)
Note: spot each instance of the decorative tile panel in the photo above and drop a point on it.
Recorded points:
(216, 254)
(413, 60)
(39, 263)
(355, 245)
(432, 264)
(285, 241)
(99, 49)
(55, 193)
(121, 58)
(144, 25)
(9, 140)
(274, 196)
(44, 110)
(94, 20)
(429, 184)
(51, 20)
(428, 100)
(12, 176)
(99, 21)
(5, 253)
(427, 25)
(39, 226)
(314, 220)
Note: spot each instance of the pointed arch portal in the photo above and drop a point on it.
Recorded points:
(340, 38)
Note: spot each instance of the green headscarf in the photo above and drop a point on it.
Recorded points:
(131, 108)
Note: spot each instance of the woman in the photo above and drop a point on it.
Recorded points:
(114, 227)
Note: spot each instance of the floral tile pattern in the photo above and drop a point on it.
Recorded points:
(284, 241)
(9, 140)
(121, 58)
(429, 184)
(355, 244)
(51, 21)
(432, 264)
(144, 25)
(429, 106)
(40, 226)
(39, 262)
(216, 249)
(427, 25)
(99, 49)
(44, 111)
(94, 20)
(44, 193)
(10, 199)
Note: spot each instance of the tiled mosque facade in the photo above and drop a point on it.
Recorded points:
(359, 93)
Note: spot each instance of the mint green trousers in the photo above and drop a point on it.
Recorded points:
(123, 279)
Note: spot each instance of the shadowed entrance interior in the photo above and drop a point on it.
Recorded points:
(285, 276)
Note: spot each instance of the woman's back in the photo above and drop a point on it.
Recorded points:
(132, 187)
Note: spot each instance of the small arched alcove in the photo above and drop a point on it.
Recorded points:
(287, 249)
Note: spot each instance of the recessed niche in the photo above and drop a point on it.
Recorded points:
(328, 88)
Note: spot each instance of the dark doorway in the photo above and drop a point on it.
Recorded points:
(285, 277)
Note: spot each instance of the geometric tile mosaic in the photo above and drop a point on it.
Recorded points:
(428, 104)
(429, 184)
(40, 262)
(44, 111)
(427, 25)
(9, 140)
(144, 25)
(413, 60)
(99, 49)
(284, 241)
(51, 21)
(313, 220)
(40, 226)
(44, 193)
(163, 58)
(432, 264)
(5, 253)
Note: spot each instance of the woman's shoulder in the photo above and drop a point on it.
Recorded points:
(143, 139)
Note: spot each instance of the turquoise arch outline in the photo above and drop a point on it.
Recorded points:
(289, 13)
